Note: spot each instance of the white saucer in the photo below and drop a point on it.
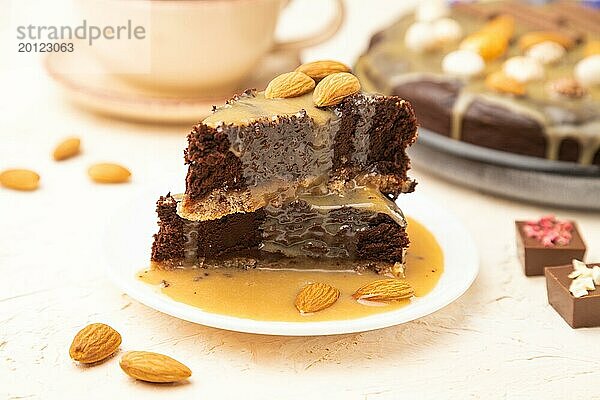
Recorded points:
(127, 246)
(106, 94)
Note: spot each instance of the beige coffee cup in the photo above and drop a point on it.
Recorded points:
(202, 46)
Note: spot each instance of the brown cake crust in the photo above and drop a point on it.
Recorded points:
(211, 164)
(384, 240)
(235, 232)
(393, 129)
(169, 241)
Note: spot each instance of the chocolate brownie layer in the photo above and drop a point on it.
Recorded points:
(372, 234)
(252, 143)
(179, 239)
(540, 124)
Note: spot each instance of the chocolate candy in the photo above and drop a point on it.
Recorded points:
(547, 242)
(577, 311)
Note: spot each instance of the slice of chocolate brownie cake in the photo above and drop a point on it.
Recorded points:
(242, 155)
(361, 230)
(290, 174)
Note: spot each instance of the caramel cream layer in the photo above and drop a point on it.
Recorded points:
(291, 231)
(247, 109)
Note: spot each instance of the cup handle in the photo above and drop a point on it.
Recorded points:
(319, 37)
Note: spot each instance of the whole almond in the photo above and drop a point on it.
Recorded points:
(499, 82)
(291, 84)
(532, 38)
(334, 88)
(153, 367)
(316, 297)
(66, 149)
(486, 44)
(109, 173)
(492, 40)
(19, 179)
(94, 343)
(384, 290)
(320, 69)
(592, 48)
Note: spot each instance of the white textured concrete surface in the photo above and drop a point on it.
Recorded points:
(500, 340)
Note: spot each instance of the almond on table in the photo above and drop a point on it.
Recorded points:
(94, 343)
(67, 148)
(19, 179)
(109, 173)
(153, 367)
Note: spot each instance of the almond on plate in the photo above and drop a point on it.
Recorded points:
(385, 290)
(316, 297)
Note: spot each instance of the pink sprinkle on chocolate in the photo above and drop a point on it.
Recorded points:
(549, 231)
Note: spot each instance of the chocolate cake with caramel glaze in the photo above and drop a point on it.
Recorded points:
(255, 150)
(275, 180)
(366, 231)
(503, 75)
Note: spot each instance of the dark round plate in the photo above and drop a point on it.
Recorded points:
(502, 158)
(518, 177)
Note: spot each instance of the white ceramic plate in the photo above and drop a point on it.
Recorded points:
(129, 238)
